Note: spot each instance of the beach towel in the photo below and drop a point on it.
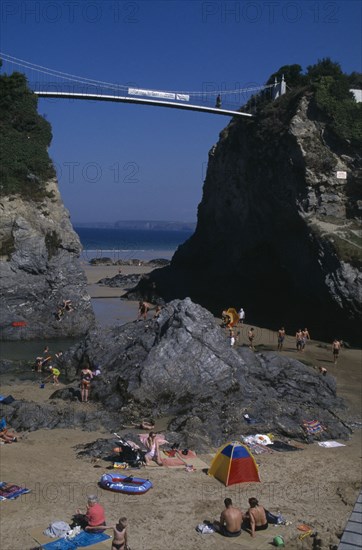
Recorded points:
(9, 491)
(280, 446)
(330, 444)
(313, 427)
(82, 540)
(183, 461)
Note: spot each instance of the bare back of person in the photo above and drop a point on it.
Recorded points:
(259, 516)
(119, 539)
(232, 519)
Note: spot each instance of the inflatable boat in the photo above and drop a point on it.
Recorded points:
(125, 484)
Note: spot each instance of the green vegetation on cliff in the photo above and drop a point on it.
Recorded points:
(25, 165)
(331, 91)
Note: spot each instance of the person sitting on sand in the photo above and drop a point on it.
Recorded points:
(86, 376)
(255, 518)
(230, 520)
(94, 517)
(323, 371)
(153, 452)
(119, 541)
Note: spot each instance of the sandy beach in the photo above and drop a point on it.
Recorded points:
(316, 485)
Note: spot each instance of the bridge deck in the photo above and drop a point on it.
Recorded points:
(352, 535)
(142, 101)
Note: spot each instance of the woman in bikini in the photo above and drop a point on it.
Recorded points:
(153, 451)
(86, 376)
(119, 541)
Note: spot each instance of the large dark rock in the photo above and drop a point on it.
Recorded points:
(120, 281)
(182, 366)
(278, 231)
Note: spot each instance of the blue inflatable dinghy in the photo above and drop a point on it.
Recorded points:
(125, 484)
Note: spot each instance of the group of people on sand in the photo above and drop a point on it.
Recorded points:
(233, 520)
(93, 520)
(42, 364)
(301, 337)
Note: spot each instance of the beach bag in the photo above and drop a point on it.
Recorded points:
(57, 529)
(205, 528)
(8, 400)
(271, 518)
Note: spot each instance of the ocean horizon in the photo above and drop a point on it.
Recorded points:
(125, 244)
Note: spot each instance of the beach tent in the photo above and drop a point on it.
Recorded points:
(234, 463)
(233, 316)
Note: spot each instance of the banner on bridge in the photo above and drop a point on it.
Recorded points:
(158, 95)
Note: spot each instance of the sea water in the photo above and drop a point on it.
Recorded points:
(117, 244)
(126, 244)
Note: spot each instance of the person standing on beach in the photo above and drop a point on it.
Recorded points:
(281, 338)
(241, 316)
(86, 376)
(119, 541)
(305, 337)
(142, 310)
(232, 338)
(336, 346)
(251, 336)
(230, 520)
(299, 339)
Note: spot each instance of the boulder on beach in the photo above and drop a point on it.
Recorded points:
(181, 365)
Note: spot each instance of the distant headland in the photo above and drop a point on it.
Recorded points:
(151, 225)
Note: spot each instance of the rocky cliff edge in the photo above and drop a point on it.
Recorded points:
(39, 269)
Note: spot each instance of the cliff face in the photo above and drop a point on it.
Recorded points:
(278, 231)
(39, 268)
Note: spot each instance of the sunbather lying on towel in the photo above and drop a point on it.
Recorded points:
(7, 436)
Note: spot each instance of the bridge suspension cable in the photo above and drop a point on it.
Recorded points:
(121, 87)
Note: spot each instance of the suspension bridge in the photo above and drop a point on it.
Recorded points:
(50, 83)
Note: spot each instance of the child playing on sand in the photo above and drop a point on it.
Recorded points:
(55, 375)
(119, 541)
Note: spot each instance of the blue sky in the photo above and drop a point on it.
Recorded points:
(122, 162)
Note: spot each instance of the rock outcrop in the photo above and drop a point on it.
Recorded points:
(278, 227)
(39, 268)
(182, 366)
